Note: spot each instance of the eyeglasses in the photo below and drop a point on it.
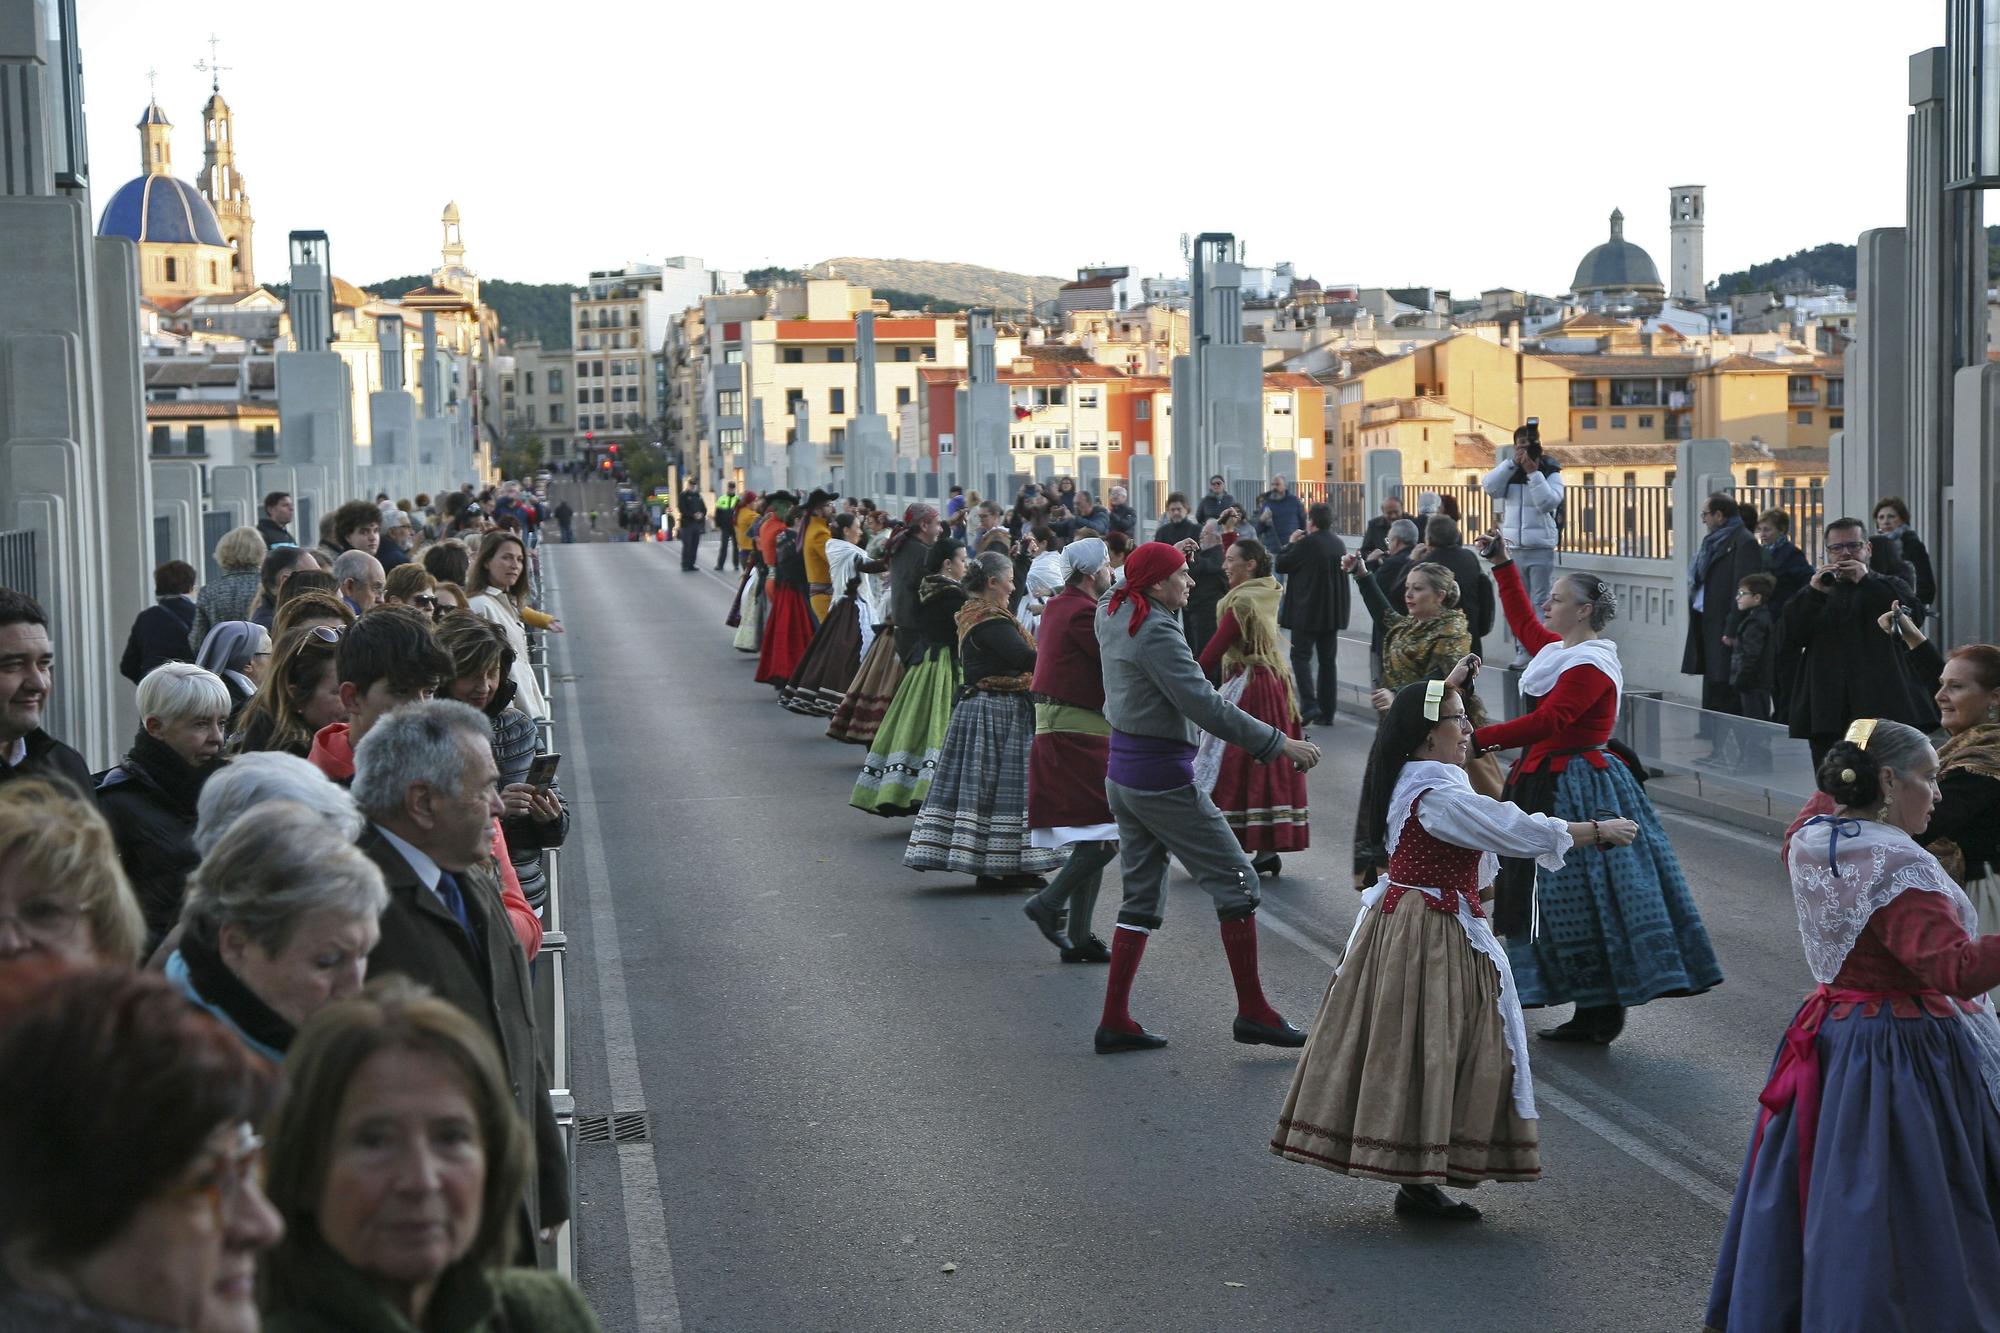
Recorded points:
(223, 1179)
(1460, 718)
(48, 920)
(326, 633)
(1847, 547)
(425, 599)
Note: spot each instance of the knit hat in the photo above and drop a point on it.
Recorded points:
(1145, 567)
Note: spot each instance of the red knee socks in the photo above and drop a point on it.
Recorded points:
(1128, 945)
(1239, 941)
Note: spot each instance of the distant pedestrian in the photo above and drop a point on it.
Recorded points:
(727, 506)
(1728, 555)
(276, 525)
(1279, 514)
(232, 594)
(1175, 526)
(1315, 610)
(1217, 502)
(1892, 519)
(1530, 489)
(566, 520)
(693, 515)
(1783, 561)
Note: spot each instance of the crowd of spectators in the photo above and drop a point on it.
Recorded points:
(289, 926)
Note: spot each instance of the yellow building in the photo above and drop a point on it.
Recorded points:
(1424, 397)
(182, 250)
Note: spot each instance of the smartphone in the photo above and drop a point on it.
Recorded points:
(542, 772)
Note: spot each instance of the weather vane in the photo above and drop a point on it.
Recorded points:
(213, 66)
(152, 85)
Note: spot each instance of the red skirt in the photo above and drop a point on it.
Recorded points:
(1264, 803)
(788, 631)
(1066, 780)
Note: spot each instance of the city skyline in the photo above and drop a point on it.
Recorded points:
(1500, 170)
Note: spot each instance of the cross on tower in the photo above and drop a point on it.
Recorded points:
(152, 85)
(213, 66)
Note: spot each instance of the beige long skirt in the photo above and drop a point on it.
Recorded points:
(1406, 1076)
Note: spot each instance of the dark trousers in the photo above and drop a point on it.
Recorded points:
(568, 532)
(1717, 696)
(690, 544)
(1755, 704)
(728, 545)
(1318, 694)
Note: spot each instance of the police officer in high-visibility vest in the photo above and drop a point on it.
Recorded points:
(725, 524)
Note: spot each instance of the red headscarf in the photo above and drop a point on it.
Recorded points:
(1144, 568)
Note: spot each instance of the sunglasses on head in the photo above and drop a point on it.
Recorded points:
(326, 633)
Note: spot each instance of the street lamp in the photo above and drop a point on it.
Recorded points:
(1972, 127)
(70, 152)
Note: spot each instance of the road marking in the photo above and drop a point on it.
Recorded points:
(1550, 1091)
(655, 1299)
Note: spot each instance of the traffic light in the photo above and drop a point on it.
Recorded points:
(605, 464)
(614, 448)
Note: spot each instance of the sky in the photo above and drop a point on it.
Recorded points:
(1454, 144)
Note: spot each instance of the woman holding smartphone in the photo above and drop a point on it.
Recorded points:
(1605, 933)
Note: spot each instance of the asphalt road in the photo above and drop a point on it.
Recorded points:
(858, 1075)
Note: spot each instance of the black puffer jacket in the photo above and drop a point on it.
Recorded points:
(149, 801)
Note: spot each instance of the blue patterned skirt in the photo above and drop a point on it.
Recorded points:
(1900, 1231)
(1618, 926)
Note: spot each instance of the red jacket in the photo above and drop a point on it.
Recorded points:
(333, 754)
(1580, 713)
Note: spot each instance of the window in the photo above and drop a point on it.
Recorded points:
(1278, 404)
(732, 356)
(267, 440)
(197, 439)
(557, 448)
(597, 421)
(163, 439)
(1087, 397)
(1062, 438)
(1590, 478)
(528, 382)
(1805, 418)
(903, 395)
(1142, 410)
(1635, 393)
(173, 270)
(555, 414)
(902, 354)
(1645, 421)
(1836, 421)
(1750, 476)
(836, 402)
(836, 437)
(1618, 423)
(214, 275)
(597, 395)
(1587, 423)
(1051, 395)
(795, 400)
(1086, 439)
(617, 393)
(1017, 441)
(1044, 440)
(730, 438)
(793, 356)
(618, 369)
(1631, 479)
(1836, 393)
(836, 355)
(1583, 393)
(555, 382)
(1113, 443)
(729, 403)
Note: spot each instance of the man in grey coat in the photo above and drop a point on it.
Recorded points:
(1158, 701)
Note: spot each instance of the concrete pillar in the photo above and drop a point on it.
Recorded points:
(1382, 475)
(389, 348)
(432, 390)
(1701, 468)
(1962, 546)
(314, 427)
(233, 490)
(983, 416)
(1870, 458)
(177, 498)
(1145, 492)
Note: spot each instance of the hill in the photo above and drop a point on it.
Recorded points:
(526, 309)
(1832, 264)
(947, 286)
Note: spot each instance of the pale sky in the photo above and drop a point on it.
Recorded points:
(1465, 145)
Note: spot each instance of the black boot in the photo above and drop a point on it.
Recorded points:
(1598, 1024)
(1268, 864)
(1430, 1201)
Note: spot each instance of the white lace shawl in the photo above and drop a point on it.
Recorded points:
(1873, 865)
(1539, 677)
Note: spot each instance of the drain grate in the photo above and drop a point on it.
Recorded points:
(618, 1127)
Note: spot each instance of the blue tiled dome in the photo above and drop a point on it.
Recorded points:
(160, 208)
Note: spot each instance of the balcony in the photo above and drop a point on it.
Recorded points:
(1802, 397)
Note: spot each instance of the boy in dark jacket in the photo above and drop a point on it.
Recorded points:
(1752, 648)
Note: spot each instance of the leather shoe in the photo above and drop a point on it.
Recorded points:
(1111, 1041)
(1024, 881)
(1092, 950)
(1430, 1201)
(1272, 865)
(1048, 920)
(1323, 720)
(1252, 1033)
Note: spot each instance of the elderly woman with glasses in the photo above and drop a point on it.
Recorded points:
(398, 1164)
(280, 919)
(63, 894)
(131, 1198)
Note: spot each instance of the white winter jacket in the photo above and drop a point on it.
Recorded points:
(1528, 519)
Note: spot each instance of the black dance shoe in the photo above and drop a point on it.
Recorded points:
(1594, 1024)
(1110, 1041)
(1268, 865)
(1430, 1201)
(1092, 950)
(1048, 920)
(1252, 1033)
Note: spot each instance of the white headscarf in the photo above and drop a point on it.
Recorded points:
(1086, 556)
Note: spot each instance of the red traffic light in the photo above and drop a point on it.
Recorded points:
(590, 435)
(614, 448)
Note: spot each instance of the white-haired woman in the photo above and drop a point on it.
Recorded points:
(280, 919)
(266, 776)
(232, 594)
(238, 651)
(149, 800)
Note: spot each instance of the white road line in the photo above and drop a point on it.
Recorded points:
(1550, 1091)
(656, 1301)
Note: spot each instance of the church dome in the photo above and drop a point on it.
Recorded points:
(1617, 265)
(160, 209)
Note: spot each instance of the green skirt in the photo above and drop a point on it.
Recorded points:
(896, 776)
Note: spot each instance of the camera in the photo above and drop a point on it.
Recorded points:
(1529, 434)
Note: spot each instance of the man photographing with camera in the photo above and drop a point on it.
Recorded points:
(1530, 490)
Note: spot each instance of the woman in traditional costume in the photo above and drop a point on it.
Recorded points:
(1423, 643)
(903, 757)
(1416, 1069)
(820, 684)
(1265, 804)
(1868, 1197)
(873, 689)
(750, 632)
(975, 816)
(1070, 756)
(789, 624)
(1604, 932)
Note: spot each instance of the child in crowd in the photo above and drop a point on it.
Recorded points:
(1752, 651)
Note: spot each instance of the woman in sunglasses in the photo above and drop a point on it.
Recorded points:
(299, 695)
(413, 586)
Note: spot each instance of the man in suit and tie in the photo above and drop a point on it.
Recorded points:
(425, 778)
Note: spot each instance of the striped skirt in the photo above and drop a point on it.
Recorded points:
(869, 695)
(975, 818)
(824, 673)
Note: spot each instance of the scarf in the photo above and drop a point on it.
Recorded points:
(166, 770)
(1145, 567)
(976, 612)
(1711, 547)
(1540, 676)
(1974, 750)
(228, 992)
(1414, 649)
(1254, 603)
